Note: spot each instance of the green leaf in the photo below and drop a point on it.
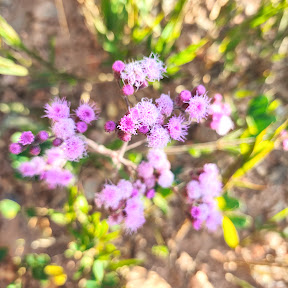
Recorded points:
(59, 218)
(98, 269)
(8, 67)
(161, 202)
(92, 284)
(121, 263)
(81, 204)
(230, 233)
(9, 34)
(160, 251)
(280, 215)
(227, 203)
(240, 221)
(9, 208)
(3, 252)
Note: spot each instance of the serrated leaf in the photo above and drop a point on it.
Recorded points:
(8, 67)
(230, 233)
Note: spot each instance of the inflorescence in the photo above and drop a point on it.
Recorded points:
(67, 141)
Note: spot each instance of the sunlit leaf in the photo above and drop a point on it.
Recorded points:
(8, 67)
(161, 202)
(160, 250)
(53, 270)
(280, 215)
(230, 233)
(9, 34)
(126, 262)
(9, 208)
(59, 280)
(98, 269)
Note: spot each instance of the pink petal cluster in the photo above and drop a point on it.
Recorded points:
(284, 139)
(124, 203)
(201, 193)
(221, 121)
(137, 74)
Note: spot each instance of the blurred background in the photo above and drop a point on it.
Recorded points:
(235, 48)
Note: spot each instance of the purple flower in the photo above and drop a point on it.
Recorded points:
(145, 170)
(135, 214)
(157, 158)
(148, 112)
(210, 184)
(87, 112)
(126, 188)
(81, 127)
(143, 129)
(42, 136)
(33, 167)
(199, 90)
(197, 224)
(74, 148)
(58, 109)
(165, 104)
(153, 67)
(26, 138)
(55, 157)
(64, 128)
(110, 196)
(126, 137)
(194, 190)
(128, 90)
(177, 129)
(110, 126)
(198, 107)
(57, 142)
(117, 67)
(166, 179)
(150, 182)
(158, 137)
(35, 150)
(214, 220)
(150, 194)
(133, 74)
(15, 148)
(127, 124)
(58, 177)
(183, 97)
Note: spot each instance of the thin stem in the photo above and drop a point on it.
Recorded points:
(114, 155)
(136, 144)
(215, 145)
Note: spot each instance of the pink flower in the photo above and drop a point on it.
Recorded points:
(87, 112)
(158, 137)
(128, 90)
(150, 182)
(157, 158)
(135, 214)
(214, 220)
(222, 124)
(165, 104)
(117, 67)
(133, 74)
(126, 188)
(145, 170)
(110, 196)
(35, 150)
(33, 167)
(177, 128)
(55, 157)
(15, 148)
(26, 138)
(148, 112)
(124, 136)
(81, 127)
(150, 194)
(183, 97)
(64, 128)
(198, 107)
(127, 124)
(194, 190)
(285, 144)
(74, 148)
(153, 68)
(58, 177)
(42, 136)
(110, 126)
(58, 109)
(166, 179)
(199, 90)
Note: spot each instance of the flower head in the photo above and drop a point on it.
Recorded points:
(194, 190)
(145, 170)
(58, 109)
(126, 188)
(166, 179)
(158, 137)
(110, 126)
(147, 112)
(177, 129)
(135, 214)
(64, 128)
(58, 177)
(26, 138)
(153, 67)
(15, 148)
(81, 127)
(87, 112)
(199, 90)
(165, 104)
(74, 148)
(198, 107)
(118, 66)
(127, 124)
(128, 90)
(33, 167)
(157, 158)
(42, 136)
(133, 74)
(110, 196)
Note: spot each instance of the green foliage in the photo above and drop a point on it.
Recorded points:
(8, 34)
(160, 251)
(9, 209)
(8, 67)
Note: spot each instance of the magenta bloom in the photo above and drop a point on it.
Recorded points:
(64, 128)
(126, 188)
(81, 127)
(198, 107)
(15, 148)
(199, 90)
(177, 129)
(165, 104)
(118, 66)
(110, 196)
(58, 109)
(74, 148)
(57, 142)
(194, 190)
(150, 182)
(133, 74)
(145, 170)
(143, 129)
(148, 112)
(153, 67)
(127, 124)
(55, 157)
(58, 177)
(126, 137)
(158, 137)
(87, 112)
(214, 220)
(128, 90)
(42, 136)
(110, 126)
(35, 150)
(33, 167)
(150, 194)
(135, 214)
(26, 138)
(166, 179)
(157, 158)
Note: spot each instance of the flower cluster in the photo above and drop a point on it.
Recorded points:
(164, 120)
(137, 74)
(124, 200)
(220, 113)
(201, 191)
(66, 131)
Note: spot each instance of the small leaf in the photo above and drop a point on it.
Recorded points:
(9, 34)
(161, 202)
(280, 215)
(98, 269)
(160, 250)
(59, 280)
(53, 270)
(9, 208)
(230, 233)
(126, 262)
(59, 218)
(8, 67)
